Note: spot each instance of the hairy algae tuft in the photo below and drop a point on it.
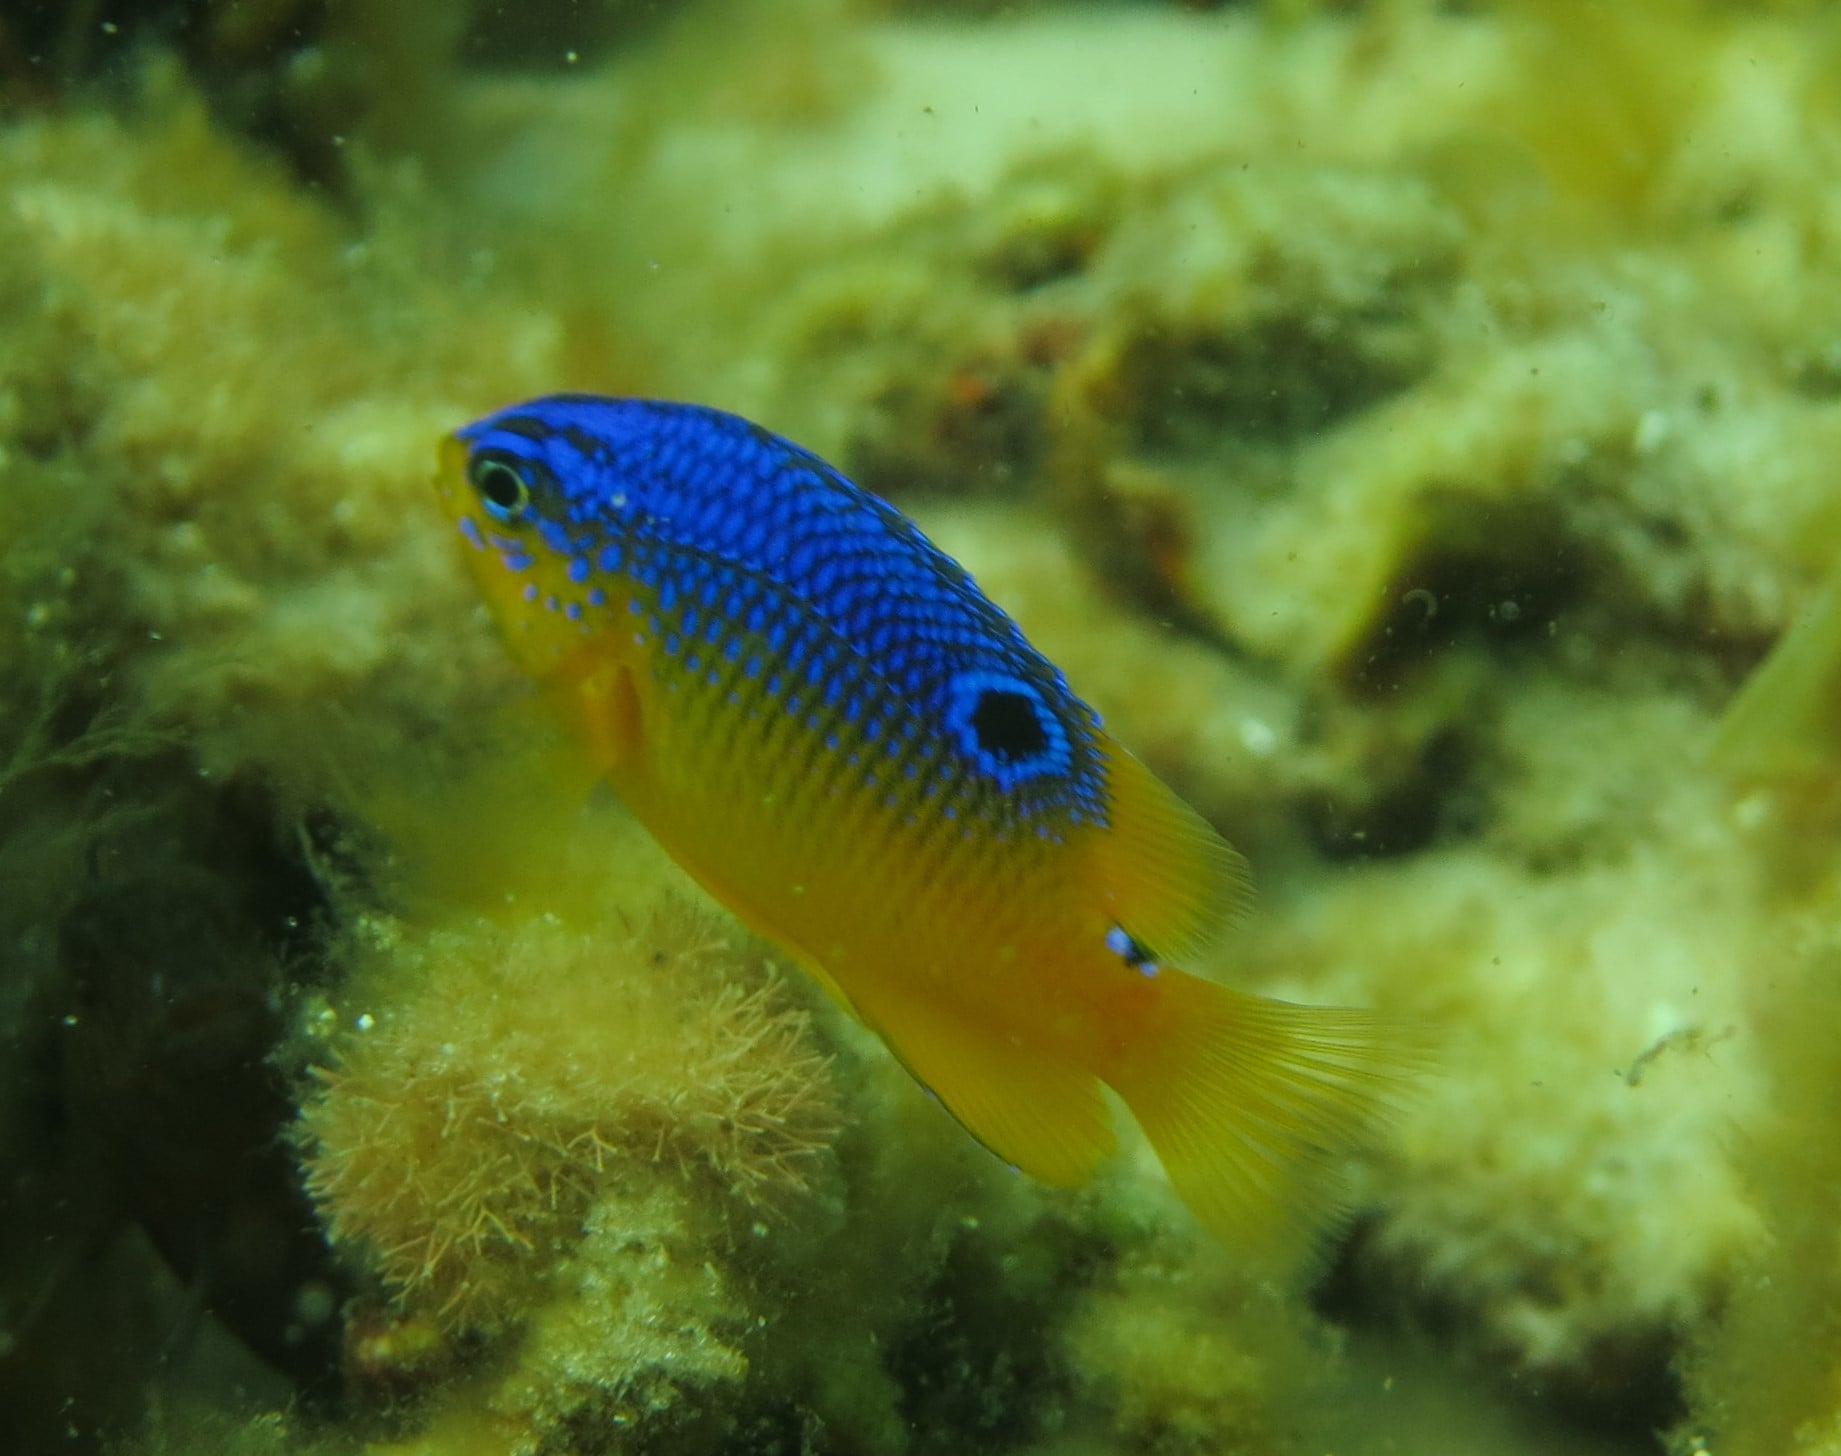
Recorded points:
(460, 1135)
(1599, 318)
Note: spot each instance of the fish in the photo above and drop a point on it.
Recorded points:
(821, 717)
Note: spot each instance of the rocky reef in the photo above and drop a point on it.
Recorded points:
(1411, 425)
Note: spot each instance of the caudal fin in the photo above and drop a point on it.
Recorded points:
(1253, 1106)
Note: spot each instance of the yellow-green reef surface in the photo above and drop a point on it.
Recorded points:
(1416, 427)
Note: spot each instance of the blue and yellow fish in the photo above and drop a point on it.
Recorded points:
(822, 718)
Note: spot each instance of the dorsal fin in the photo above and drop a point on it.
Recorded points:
(1161, 871)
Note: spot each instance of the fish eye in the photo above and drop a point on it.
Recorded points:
(503, 490)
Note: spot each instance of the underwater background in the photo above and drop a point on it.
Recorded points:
(1414, 426)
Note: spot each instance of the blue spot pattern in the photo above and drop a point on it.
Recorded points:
(746, 541)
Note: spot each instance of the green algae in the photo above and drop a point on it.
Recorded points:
(1409, 427)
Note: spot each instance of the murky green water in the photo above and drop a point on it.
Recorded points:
(1410, 426)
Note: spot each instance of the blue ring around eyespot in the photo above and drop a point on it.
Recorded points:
(963, 694)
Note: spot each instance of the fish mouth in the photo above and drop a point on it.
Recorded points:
(455, 493)
(450, 480)
(515, 580)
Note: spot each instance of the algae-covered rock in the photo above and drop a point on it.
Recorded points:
(1410, 425)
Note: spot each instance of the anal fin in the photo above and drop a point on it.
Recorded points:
(1038, 1112)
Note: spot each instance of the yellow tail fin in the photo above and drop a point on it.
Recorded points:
(1253, 1104)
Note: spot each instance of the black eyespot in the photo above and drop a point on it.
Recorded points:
(1004, 727)
(1007, 725)
(503, 489)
